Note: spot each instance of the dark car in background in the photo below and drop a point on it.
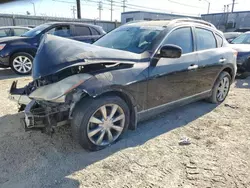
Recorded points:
(9, 31)
(18, 52)
(242, 45)
(230, 36)
(242, 29)
(134, 72)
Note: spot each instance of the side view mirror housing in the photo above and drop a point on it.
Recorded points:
(170, 51)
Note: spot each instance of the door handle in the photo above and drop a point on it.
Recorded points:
(222, 60)
(192, 67)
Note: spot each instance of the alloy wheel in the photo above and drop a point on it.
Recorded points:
(22, 64)
(223, 89)
(106, 124)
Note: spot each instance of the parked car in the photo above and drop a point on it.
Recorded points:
(230, 36)
(130, 74)
(242, 29)
(18, 52)
(9, 31)
(242, 45)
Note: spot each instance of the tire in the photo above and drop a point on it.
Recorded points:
(87, 131)
(243, 75)
(218, 87)
(21, 63)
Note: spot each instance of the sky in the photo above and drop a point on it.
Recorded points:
(63, 8)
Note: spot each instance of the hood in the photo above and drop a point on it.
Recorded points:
(241, 47)
(9, 39)
(56, 53)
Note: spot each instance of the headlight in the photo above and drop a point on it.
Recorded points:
(54, 92)
(2, 46)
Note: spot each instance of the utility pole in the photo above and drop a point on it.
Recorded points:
(78, 6)
(100, 8)
(111, 9)
(74, 11)
(34, 7)
(124, 5)
(233, 5)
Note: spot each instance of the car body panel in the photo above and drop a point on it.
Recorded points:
(243, 57)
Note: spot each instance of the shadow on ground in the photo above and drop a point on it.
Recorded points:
(8, 73)
(35, 159)
(243, 83)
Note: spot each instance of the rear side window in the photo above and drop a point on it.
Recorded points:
(181, 37)
(205, 39)
(219, 40)
(94, 31)
(82, 30)
(19, 32)
(5, 32)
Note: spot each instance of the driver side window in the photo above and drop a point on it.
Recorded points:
(62, 31)
(181, 37)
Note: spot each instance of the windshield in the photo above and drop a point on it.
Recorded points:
(35, 31)
(242, 39)
(132, 39)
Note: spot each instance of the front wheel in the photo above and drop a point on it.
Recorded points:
(221, 88)
(98, 123)
(21, 63)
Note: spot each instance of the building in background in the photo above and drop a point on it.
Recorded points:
(145, 15)
(229, 21)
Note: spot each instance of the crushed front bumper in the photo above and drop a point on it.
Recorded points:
(45, 117)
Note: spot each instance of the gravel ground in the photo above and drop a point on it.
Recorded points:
(218, 155)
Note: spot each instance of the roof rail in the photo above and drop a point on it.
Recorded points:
(192, 20)
(134, 21)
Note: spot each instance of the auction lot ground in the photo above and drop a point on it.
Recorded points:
(219, 154)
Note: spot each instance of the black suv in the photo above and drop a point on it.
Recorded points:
(132, 73)
(18, 52)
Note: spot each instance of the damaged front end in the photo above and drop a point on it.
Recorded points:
(58, 71)
(48, 106)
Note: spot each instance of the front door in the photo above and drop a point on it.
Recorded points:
(174, 79)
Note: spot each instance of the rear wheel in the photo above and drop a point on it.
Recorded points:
(221, 88)
(98, 123)
(21, 63)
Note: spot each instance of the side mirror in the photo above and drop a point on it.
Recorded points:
(170, 51)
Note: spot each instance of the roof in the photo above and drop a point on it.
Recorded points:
(17, 27)
(159, 13)
(224, 13)
(75, 23)
(150, 23)
(171, 21)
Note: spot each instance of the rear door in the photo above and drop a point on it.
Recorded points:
(83, 33)
(211, 57)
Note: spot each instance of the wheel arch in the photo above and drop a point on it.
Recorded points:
(30, 51)
(123, 94)
(228, 69)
